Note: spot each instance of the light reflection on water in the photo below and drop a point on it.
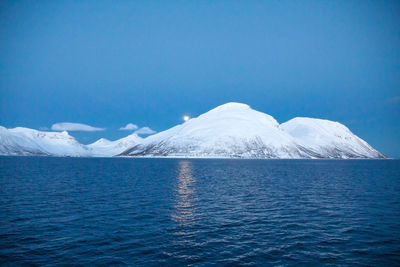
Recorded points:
(185, 194)
(183, 212)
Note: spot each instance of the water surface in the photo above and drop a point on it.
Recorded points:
(143, 212)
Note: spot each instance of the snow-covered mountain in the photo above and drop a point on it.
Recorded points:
(236, 130)
(328, 139)
(24, 141)
(232, 130)
(28, 142)
(107, 148)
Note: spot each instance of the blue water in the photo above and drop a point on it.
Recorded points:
(146, 212)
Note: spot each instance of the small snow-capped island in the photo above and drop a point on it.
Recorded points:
(232, 130)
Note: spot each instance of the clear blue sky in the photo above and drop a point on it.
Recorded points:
(109, 63)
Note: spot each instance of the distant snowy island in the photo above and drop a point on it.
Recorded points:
(232, 130)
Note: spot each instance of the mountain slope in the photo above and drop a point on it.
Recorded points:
(24, 141)
(107, 148)
(328, 139)
(230, 130)
(235, 130)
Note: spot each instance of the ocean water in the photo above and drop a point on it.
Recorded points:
(157, 212)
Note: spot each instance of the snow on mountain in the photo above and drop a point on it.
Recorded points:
(230, 130)
(29, 142)
(107, 148)
(329, 139)
(236, 130)
(24, 141)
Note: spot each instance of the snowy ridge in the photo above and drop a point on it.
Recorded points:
(232, 130)
(107, 148)
(24, 141)
(329, 139)
(28, 142)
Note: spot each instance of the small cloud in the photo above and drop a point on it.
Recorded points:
(145, 130)
(394, 100)
(43, 128)
(70, 126)
(129, 127)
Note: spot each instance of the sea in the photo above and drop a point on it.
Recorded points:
(199, 212)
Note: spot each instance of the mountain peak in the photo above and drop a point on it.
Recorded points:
(101, 141)
(232, 105)
(229, 130)
(328, 138)
(237, 130)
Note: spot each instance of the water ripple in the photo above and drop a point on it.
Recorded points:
(152, 212)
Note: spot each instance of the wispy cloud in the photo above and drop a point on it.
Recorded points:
(129, 127)
(145, 130)
(70, 126)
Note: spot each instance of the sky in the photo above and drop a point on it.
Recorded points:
(110, 63)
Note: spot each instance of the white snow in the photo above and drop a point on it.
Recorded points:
(236, 130)
(107, 148)
(229, 130)
(328, 138)
(25, 141)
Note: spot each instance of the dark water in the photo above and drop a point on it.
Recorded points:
(199, 212)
